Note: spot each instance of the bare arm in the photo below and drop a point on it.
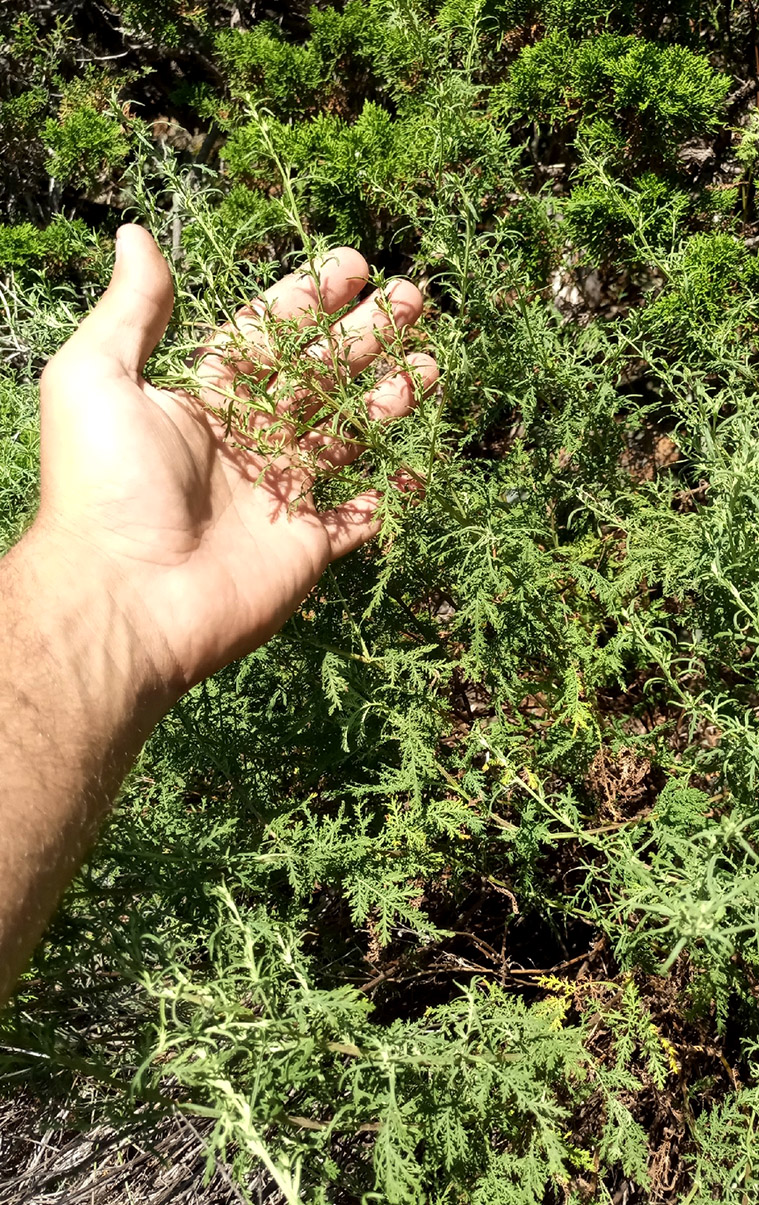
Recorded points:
(79, 692)
(159, 554)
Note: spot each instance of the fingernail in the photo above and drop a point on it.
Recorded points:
(405, 483)
(118, 244)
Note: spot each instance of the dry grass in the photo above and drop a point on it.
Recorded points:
(44, 1163)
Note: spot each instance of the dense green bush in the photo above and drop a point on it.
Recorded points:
(662, 93)
(449, 894)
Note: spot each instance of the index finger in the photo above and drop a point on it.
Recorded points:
(331, 283)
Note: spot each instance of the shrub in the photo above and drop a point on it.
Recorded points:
(53, 246)
(85, 145)
(658, 95)
(448, 893)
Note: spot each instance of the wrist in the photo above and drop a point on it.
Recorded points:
(89, 615)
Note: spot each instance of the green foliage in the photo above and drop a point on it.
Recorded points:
(292, 76)
(52, 246)
(725, 1166)
(19, 113)
(657, 95)
(670, 87)
(170, 22)
(86, 146)
(691, 883)
(614, 221)
(18, 458)
(449, 893)
(341, 162)
(487, 1059)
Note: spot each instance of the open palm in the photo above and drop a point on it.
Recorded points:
(208, 546)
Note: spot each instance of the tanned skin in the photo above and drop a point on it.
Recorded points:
(160, 552)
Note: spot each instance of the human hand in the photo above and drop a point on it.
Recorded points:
(206, 547)
(163, 548)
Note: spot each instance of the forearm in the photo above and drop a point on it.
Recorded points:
(79, 694)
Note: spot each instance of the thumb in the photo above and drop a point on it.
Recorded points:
(131, 316)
